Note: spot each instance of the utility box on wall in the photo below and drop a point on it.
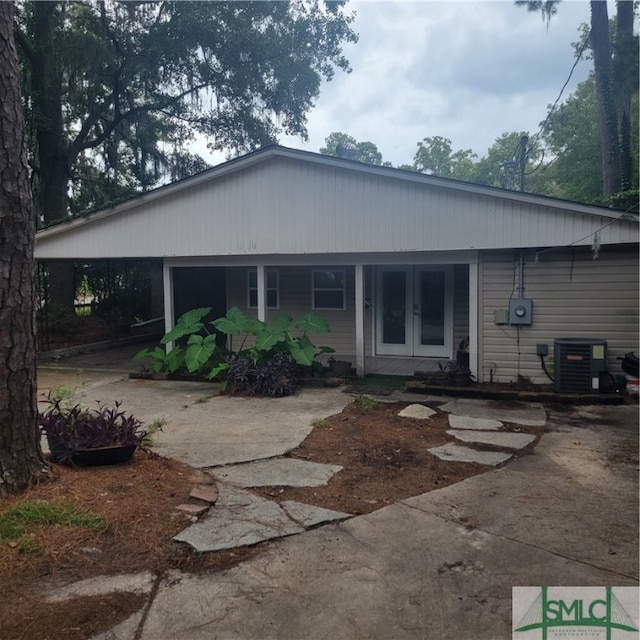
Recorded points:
(520, 311)
(578, 363)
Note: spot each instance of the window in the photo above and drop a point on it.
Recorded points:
(329, 289)
(271, 276)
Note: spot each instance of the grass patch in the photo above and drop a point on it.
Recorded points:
(321, 423)
(368, 404)
(381, 385)
(151, 430)
(24, 518)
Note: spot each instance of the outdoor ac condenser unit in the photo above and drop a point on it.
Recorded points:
(578, 363)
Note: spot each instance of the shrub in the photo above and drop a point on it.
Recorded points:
(268, 367)
(274, 377)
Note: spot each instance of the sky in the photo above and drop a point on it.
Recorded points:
(467, 71)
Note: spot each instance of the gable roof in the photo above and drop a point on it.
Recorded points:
(281, 200)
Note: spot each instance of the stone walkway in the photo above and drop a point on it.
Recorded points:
(225, 515)
(233, 517)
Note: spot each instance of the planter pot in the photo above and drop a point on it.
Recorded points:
(104, 455)
(92, 457)
(340, 368)
(458, 379)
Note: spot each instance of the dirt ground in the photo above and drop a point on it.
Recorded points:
(385, 459)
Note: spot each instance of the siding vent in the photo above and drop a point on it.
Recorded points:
(578, 363)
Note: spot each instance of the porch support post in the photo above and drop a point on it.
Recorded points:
(360, 368)
(167, 285)
(473, 320)
(262, 293)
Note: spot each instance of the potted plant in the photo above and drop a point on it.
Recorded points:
(77, 435)
(455, 375)
(340, 368)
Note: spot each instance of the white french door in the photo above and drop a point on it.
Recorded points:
(414, 311)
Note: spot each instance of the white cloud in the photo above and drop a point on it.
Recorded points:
(468, 71)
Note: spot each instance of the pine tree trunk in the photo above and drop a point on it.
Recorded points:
(607, 119)
(625, 75)
(20, 454)
(52, 153)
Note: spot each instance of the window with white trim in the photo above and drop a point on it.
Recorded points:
(271, 276)
(329, 289)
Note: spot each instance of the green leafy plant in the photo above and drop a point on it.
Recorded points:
(151, 430)
(161, 360)
(368, 404)
(277, 351)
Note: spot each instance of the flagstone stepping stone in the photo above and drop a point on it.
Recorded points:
(100, 585)
(230, 496)
(530, 414)
(193, 509)
(240, 518)
(231, 527)
(418, 411)
(499, 439)
(457, 453)
(206, 493)
(467, 422)
(277, 471)
(309, 515)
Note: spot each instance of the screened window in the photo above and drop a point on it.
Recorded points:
(271, 276)
(329, 289)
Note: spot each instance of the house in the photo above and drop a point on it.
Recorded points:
(404, 266)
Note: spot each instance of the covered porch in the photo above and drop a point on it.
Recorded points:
(390, 314)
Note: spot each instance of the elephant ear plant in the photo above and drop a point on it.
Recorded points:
(72, 430)
(278, 351)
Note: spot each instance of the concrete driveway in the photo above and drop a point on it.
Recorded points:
(439, 565)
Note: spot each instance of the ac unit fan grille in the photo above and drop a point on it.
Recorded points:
(576, 368)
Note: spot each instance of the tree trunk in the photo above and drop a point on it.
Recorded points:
(52, 153)
(20, 454)
(607, 120)
(625, 74)
(46, 94)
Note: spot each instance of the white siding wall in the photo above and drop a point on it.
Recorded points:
(460, 304)
(295, 301)
(574, 296)
(294, 207)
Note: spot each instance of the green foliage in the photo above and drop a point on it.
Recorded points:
(199, 351)
(151, 430)
(161, 360)
(116, 91)
(435, 156)
(188, 323)
(574, 145)
(67, 397)
(368, 404)
(361, 151)
(25, 517)
(269, 341)
(120, 290)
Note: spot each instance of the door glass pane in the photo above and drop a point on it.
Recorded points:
(394, 307)
(432, 308)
